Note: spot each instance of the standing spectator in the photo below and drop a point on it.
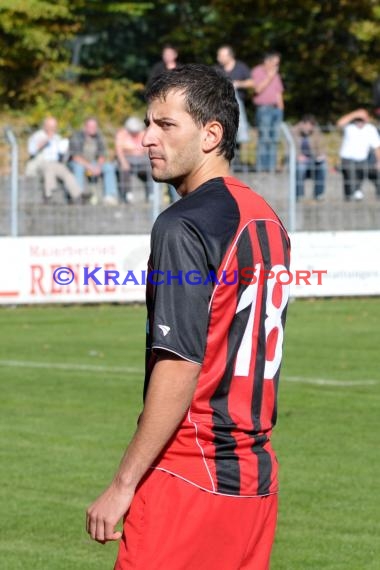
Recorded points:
(132, 158)
(311, 159)
(46, 149)
(359, 153)
(240, 75)
(88, 158)
(169, 57)
(270, 109)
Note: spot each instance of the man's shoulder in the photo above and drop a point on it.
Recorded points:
(371, 128)
(258, 69)
(253, 207)
(242, 67)
(206, 206)
(77, 135)
(40, 133)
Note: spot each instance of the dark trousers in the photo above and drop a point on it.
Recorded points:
(354, 172)
(316, 170)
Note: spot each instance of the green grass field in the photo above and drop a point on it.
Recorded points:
(71, 382)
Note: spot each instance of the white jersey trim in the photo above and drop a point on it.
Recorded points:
(208, 490)
(201, 448)
(175, 352)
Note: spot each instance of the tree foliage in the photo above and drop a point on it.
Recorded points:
(32, 36)
(330, 49)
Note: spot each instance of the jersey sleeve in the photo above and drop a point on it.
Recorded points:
(180, 296)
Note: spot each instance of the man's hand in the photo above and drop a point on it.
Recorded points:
(104, 514)
(95, 169)
(171, 389)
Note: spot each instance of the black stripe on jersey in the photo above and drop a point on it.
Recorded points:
(263, 458)
(226, 460)
(285, 248)
(264, 462)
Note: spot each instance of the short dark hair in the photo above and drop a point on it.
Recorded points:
(209, 96)
(308, 118)
(169, 46)
(271, 55)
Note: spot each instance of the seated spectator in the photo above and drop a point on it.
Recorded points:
(311, 159)
(359, 153)
(88, 158)
(46, 149)
(132, 158)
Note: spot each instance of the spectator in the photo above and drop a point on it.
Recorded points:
(46, 149)
(132, 158)
(311, 159)
(359, 153)
(88, 158)
(169, 56)
(270, 108)
(240, 75)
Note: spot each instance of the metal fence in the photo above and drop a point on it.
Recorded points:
(23, 211)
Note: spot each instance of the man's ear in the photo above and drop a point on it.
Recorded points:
(212, 135)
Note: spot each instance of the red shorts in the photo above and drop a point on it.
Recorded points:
(173, 525)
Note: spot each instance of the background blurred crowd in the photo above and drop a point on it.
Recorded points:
(83, 159)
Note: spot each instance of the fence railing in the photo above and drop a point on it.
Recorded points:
(10, 137)
(23, 211)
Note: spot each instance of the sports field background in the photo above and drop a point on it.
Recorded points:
(71, 382)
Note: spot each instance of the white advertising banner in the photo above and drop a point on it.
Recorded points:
(89, 269)
(73, 269)
(350, 261)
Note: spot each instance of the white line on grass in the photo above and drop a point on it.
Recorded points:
(130, 369)
(69, 366)
(330, 382)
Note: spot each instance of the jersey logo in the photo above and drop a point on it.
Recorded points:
(164, 329)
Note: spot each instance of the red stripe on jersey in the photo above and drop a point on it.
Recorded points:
(232, 412)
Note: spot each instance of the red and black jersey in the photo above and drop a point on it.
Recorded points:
(215, 297)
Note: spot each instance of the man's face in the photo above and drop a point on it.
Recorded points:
(91, 127)
(272, 62)
(307, 127)
(50, 126)
(224, 56)
(169, 55)
(173, 140)
(359, 123)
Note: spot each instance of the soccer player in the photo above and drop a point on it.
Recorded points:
(197, 485)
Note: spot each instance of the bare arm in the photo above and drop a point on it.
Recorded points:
(377, 154)
(244, 84)
(280, 101)
(120, 153)
(171, 389)
(357, 114)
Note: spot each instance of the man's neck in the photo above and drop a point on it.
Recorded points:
(207, 171)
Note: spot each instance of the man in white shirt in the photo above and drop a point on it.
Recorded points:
(359, 153)
(45, 148)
